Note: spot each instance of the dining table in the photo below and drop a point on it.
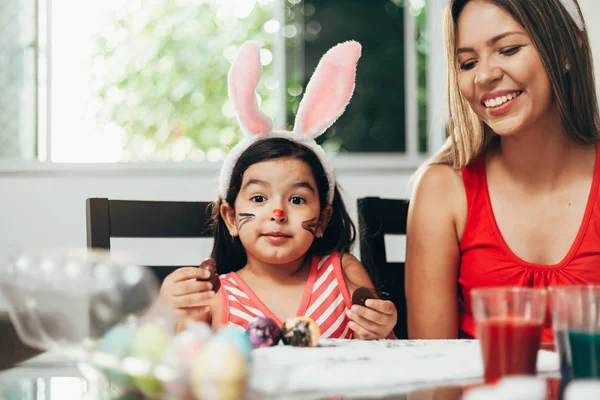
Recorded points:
(387, 369)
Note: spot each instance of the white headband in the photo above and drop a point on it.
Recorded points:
(327, 94)
(573, 11)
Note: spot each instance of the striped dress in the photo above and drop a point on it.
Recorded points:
(325, 299)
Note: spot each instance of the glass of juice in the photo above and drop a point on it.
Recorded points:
(583, 327)
(558, 306)
(509, 322)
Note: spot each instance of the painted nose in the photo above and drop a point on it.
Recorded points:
(278, 215)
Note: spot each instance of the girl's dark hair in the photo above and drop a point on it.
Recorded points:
(340, 234)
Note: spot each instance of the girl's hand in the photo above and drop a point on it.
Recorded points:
(374, 321)
(189, 297)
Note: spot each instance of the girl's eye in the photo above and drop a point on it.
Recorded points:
(258, 199)
(468, 65)
(510, 50)
(297, 200)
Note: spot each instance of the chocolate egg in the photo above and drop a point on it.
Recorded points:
(211, 266)
(263, 332)
(300, 332)
(362, 294)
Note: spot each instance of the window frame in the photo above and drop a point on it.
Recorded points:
(371, 161)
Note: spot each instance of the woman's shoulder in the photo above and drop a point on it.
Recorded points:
(439, 194)
(439, 181)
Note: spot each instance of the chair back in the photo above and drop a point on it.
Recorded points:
(376, 218)
(107, 218)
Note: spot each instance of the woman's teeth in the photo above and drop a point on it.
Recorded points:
(498, 101)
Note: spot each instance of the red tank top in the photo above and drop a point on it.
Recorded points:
(486, 259)
(326, 299)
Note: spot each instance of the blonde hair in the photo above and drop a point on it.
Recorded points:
(556, 38)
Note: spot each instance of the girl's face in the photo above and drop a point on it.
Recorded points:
(501, 74)
(277, 212)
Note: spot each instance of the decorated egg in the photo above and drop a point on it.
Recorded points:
(179, 356)
(186, 344)
(149, 343)
(263, 332)
(201, 330)
(117, 341)
(300, 332)
(218, 372)
(237, 337)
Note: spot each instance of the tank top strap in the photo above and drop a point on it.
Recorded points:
(473, 175)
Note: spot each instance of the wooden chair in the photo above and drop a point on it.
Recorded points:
(108, 219)
(376, 218)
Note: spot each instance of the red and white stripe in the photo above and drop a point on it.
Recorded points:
(327, 304)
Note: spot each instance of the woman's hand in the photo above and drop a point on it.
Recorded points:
(376, 320)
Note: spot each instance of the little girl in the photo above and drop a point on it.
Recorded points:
(282, 232)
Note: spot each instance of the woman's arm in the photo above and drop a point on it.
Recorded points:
(378, 319)
(433, 255)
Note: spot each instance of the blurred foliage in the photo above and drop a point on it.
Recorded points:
(161, 72)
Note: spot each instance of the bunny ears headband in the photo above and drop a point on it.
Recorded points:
(327, 94)
(573, 11)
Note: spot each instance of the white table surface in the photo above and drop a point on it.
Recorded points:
(353, 369)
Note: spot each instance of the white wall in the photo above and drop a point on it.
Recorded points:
(591, 13)
(45, 206)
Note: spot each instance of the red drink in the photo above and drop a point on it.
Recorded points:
(509, 346)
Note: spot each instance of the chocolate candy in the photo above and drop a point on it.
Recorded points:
(300, 332)
(263, 332)
(361, 295)
(211, 266)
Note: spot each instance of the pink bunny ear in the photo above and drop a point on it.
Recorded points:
(329, 90)
(243, 78)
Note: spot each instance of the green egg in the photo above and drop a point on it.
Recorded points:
(150, 342)
(118, 341)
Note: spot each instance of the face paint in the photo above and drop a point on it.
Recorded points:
(278, 213)
(310, 225)
(245, 218)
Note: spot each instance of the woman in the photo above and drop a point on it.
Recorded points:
(511, 197)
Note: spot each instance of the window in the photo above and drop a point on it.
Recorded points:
(18, 86)
(146, 80)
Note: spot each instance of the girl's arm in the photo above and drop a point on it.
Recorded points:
(377, 319)
(211, 316)
(433, 255)
(189, 297)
